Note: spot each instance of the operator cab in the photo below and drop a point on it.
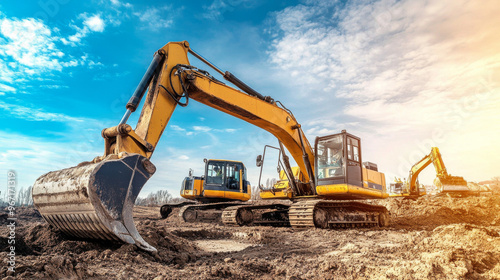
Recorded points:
(339, 169)
(341, 173)
(338, 159)
(224, 180)
(396, 188)
(225, 175)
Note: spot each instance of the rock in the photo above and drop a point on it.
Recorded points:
(57, 261)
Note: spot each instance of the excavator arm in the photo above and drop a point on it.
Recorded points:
(95, 199)
(415, 171)
(171, 77)
(198, 85)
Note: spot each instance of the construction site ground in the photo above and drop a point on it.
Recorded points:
(431, 238)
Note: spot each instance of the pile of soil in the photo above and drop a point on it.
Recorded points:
(430, 238)
(431, 211)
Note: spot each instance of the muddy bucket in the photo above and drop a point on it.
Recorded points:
(453, 185)
(95, 200)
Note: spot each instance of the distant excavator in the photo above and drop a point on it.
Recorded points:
(223, 184)
(399, 188)
(445, 183)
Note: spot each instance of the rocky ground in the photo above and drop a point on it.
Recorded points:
(431, 238)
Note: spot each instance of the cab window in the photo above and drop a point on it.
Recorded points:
(330, 158)
(215, 172)
(233, 175)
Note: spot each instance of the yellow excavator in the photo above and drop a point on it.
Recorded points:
(95, 199)
(398, 188)
(445, 183)
(339, 177)
(224, 184)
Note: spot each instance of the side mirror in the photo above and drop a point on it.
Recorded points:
(190, 173)
(258, 161)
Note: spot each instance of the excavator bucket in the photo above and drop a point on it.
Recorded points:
(452, 185)
(95, 200)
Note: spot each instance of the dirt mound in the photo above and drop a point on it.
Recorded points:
(430, 238)
(455, 252)
(430, 212)
(50, 253)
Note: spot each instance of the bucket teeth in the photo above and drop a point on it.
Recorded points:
(94, 200)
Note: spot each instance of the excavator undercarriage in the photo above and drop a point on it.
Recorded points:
(205, 213)
(337, 214)
(309, 214)
(274, 214)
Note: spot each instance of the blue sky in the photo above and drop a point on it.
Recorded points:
(403, 75)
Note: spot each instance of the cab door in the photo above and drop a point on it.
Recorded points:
(233, 175)
(353, 157)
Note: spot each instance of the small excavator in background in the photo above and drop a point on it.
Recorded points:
(95, 199)
(224, 184)
(400, 189)
(445, 183)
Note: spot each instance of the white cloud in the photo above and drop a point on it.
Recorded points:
(35, 114)
(91, 23)
(183, 157)
(176, 127)
(117, 3)
(394, 70)
(202, 128)
(95, 23)
(29, 51)
(31, 157)
(228, 130)
(7, 88)
(53, 86)
(31, 44)
(155, 18)
(217, 8)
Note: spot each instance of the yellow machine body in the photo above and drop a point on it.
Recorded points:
(341, 174)
(227, 184)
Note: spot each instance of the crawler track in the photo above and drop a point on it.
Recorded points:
(166, 209)
(204, 213)
(336, 214)
(264, 214)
